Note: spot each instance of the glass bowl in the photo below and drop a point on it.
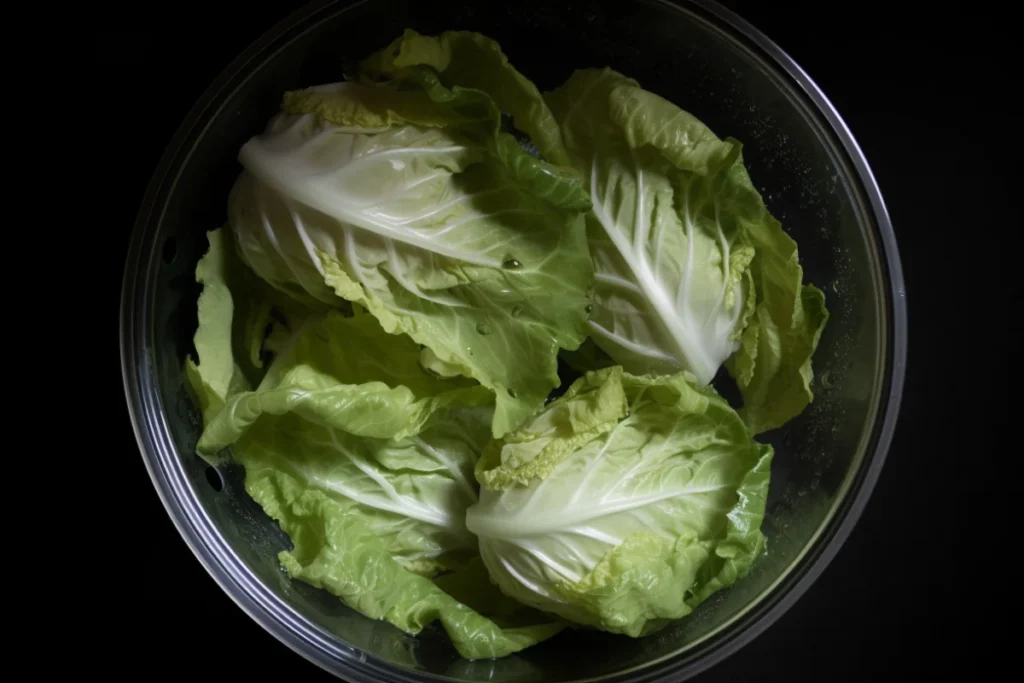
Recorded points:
(697, 54)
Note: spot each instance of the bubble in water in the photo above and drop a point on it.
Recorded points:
(517, 310)
(512, 393)
(835, 286)
(589, 308)
(826, 379)
(511, 263)
(483, 328)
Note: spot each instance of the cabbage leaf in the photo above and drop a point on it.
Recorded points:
(366, 462)
(407, 199)
(624, 504)
(692, 271)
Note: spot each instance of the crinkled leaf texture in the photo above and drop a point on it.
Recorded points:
(403, 198)
(692, 272)
(625, 503)
(365, 461)
(237, 309)
(464, 59)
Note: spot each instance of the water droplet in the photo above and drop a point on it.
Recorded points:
(483, 328)
(517, 310)
(512, 393)
(510, 262)
(826, 379)
(589, 308)
(835, 287)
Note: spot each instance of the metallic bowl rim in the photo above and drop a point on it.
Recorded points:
(312, 642)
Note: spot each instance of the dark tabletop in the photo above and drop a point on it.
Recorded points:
(926, 96)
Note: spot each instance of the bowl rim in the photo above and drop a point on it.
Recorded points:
(313, 642)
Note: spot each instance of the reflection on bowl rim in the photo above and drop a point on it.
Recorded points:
(315, 643)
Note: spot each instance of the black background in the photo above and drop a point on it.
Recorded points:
(926, 94)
